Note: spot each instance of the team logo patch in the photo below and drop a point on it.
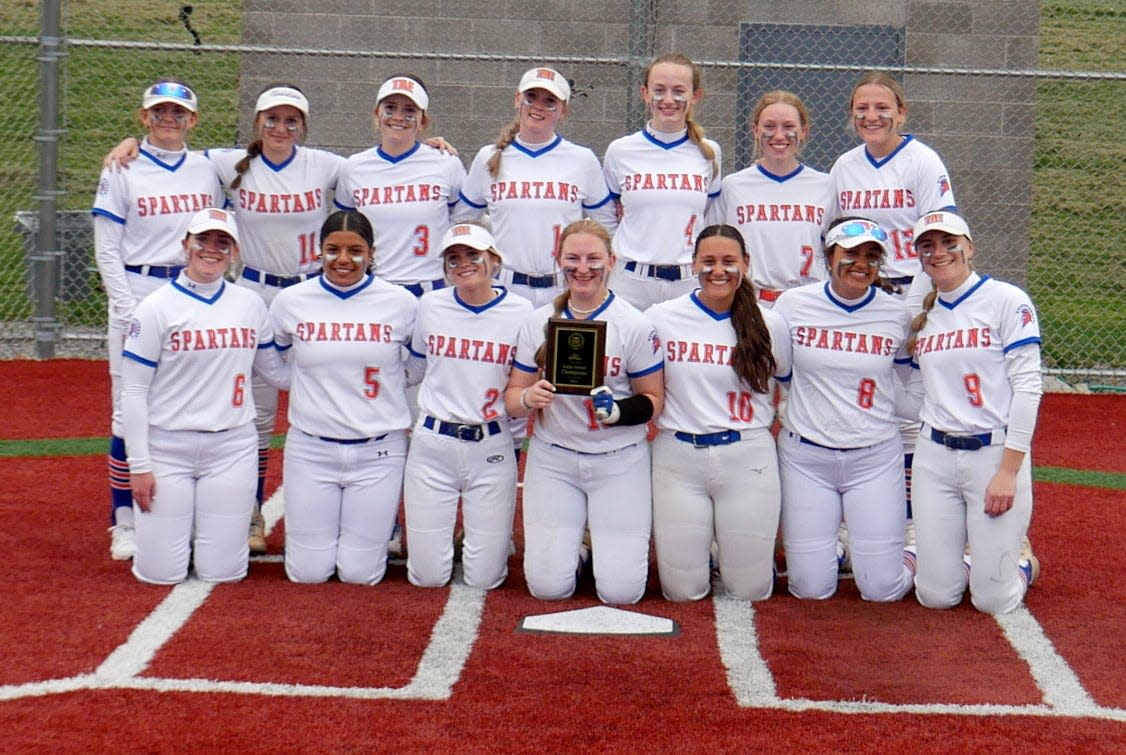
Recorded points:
(943, 184)
(103, 187)
(402, 85)
(655, 341)
(1026, 316)
(134, 329)
(495, 459)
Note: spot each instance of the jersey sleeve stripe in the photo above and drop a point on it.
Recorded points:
(137, 358)
(1022, 342)
(642, 373)
(609, 198)
(268, 345)
(471, 203)
(340, 205)
(107, 214)
(414, 353)
(524, 367)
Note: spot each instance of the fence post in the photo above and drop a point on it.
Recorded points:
(46, 260)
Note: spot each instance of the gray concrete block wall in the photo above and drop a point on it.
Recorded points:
(982, 125)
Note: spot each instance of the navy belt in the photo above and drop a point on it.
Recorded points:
(418, 289)
(155, 271)
(711, 439)
(962, 442)
(809, 442)
(471, 433)
(906, 280)
(278, 281)
(347, 441)
(534, 281)
(663, 272)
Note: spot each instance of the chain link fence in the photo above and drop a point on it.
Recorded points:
(1023, 100)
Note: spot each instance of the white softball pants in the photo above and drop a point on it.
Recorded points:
(341, 501)
(866, 486)
(949, 504)
(729, 493)
(564, 491)
(201, 507)
(440, 470)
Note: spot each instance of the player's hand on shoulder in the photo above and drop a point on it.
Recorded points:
(441, 144)
(605, 407)
(128, 150)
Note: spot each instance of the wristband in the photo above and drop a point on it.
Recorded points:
(523, 402)
(635, 410)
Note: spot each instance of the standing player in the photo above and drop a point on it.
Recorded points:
(588, 460)
(461, 446)
(778, 204)
(533, 183)
(979, 355)
(348, 413)
(839, 450)
(715, 465)
(139, 222)
(188, 412)
(664, 179)
(892, 178)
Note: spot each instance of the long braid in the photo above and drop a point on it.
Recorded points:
(920, 320)
(243, 165)
(506, 136)
(696, 134)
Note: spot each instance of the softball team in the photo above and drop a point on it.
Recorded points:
(140, 218)
(347, 442)
(715, 467)
(977, 345)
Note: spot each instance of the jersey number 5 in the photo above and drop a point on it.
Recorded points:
(371, 382)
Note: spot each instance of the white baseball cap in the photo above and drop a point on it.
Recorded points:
(472, 236)
(405, 86)
(852, 233)
(213, 219)
(170, 91)
(546, 78)
(942, 220)
(276, 96)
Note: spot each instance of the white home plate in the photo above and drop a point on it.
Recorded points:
(599, 620)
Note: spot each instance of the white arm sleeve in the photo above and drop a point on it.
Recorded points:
(107, 255)
(136, 379)
(908, 392)
(269, 365)
(415, 369)
(1023, 365)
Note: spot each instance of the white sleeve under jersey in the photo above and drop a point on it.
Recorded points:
(154, 201)
(468, 352)
(280, 208)
(842, 386)
(345, 348)
(633, 350)
(664, 191)
(411, 200)
(895, 192)
(781, 218)
(702, 392)
(202, 349)
(962, 350)
(536, 195)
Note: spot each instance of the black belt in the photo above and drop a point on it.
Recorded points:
(663, 272)
(471, 433)
(278, 281)
(534, 281)
(156, 271)
(962, 442)
(809, 442)
(722, 438)
(347, 441)
(418, 289)
(905, 280)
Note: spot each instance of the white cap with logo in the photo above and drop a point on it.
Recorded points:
(546, 78)
(170, 91)
(276, 96)
(405, 86)
(213, 219)
(942, 220)
(472, 236)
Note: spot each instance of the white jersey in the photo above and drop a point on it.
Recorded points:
(280, 208)
(664, 190)
(411, 201)
(348, 380)
(469, 352)
(203, 350)
(781, 219)
(155, 200)
(842, 390)
(962, 350)
(894, 191)
(633, 350)
(702, 392)
(537, 194)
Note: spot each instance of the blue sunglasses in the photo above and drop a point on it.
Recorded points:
(856, 228)
(171, 89)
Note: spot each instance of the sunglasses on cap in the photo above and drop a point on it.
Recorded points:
(855, 228)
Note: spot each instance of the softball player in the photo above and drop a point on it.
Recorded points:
(533, 183)
(663, 179)
(979, 354)
(588, 460)
(188, 413)
(715, 465)
(839, 450)
(461, 446)
(348, 413)
(778, 204)
(139, 222)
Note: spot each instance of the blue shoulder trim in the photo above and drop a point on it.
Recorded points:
(658, 366)
(664, 145)
(1021, 342)
(881, 162)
